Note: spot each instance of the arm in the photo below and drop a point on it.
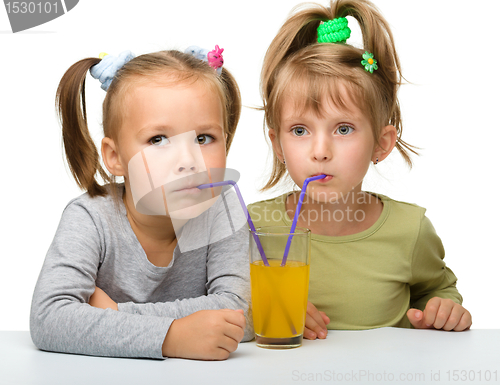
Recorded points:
(204, 335)
(433, 291)
(61, 319)
(227, 269)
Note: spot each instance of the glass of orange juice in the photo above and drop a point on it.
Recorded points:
(279, 293)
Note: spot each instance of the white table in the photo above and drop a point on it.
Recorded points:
(382, 356)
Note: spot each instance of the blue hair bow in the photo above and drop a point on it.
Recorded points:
(197, 52)
(106, 69)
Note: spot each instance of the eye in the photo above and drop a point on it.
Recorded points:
(204, 139)
(159, 140)
(299, 131)
(345, 130)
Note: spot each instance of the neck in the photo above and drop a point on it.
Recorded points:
(155, 233)
(345, 215)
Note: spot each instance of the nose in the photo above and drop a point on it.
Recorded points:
(186, 161)
(322, 148)
(192, 168)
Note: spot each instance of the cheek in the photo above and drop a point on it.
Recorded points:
(357, 158)
(215, 157)
(293, 149)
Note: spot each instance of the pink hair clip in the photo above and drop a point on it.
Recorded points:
(215, 59)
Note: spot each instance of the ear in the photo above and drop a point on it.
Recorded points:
(276, 144)
(110, 157)
(386, 143)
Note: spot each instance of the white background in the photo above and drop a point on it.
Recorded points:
(449, 52)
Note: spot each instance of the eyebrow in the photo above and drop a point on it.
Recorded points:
(161, 128)
(301, 118)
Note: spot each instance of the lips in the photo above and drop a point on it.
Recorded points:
(188, 184)
(323, 180)
(188, 190)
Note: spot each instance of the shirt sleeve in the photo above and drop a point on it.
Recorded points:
(228, 275)
(61, 319)
(430, 275)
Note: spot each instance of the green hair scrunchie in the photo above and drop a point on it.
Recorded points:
(334, 31)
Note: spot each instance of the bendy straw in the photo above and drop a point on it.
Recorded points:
(297, 212)
(244, 207)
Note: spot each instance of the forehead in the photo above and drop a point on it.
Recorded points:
(141, 86)
(172, 98)
(156, 107)
(321, 98)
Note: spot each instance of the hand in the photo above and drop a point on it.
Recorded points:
(101, 300)
(205, 335)
(316, 322)
(441, 313)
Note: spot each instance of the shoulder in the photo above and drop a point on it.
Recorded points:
(407, 220)
(85, 208)
(87, 224)
(403, 211)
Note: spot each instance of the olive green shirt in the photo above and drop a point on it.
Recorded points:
(370, 279)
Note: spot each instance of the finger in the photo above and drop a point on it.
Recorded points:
(314, 312)
(465, 322)
(318, 326)
(234, 332)
(326, 319)
(454, 317)
(235, 317)
(430, 311)
(228, 343)
(315, 327)
(416, 318)
(220, 354)
(309, 334)
(319, 319)
(443, 313)
(309, 330)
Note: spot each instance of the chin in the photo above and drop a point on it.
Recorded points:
(192, 211)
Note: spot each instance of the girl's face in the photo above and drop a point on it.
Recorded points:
(171, 136)
(339, 143)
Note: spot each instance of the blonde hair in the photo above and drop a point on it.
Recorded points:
(171, 66)
(296, 64)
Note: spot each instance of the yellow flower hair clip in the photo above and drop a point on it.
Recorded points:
(369, 62)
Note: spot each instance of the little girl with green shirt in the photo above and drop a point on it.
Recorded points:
(332, 109)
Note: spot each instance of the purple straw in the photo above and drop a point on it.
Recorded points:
(297, 212)
(243, 205)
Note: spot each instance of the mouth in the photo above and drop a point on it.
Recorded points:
(188, 185)
(327, 178)
(187, 190)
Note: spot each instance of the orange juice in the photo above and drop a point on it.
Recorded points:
(279, 298)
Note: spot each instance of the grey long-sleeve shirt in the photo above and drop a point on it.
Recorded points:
(95, 246)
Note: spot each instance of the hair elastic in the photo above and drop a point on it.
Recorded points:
(333, 31)
(213, 58)
(109, 65)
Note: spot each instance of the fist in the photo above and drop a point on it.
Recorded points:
(441, 313)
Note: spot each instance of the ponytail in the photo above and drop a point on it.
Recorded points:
(81, 152)
(378, 40)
